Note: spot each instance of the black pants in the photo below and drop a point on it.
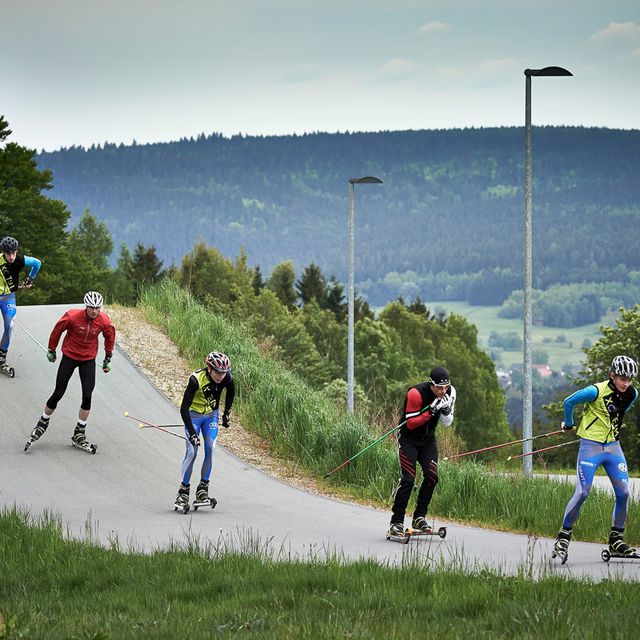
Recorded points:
(87, 371)
(426, 454)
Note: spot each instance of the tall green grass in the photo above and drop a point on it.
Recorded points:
(306, 428)
(52, 588)
(298, 420)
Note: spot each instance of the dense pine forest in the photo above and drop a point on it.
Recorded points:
(446, 224)
(298, 315)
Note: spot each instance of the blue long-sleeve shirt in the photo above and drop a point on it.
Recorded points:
(34, 264)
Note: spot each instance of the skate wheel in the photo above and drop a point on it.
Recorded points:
(605, 555)
(12, 373)
(407, 538)
(185, 510)
(214, 502)
(94, 448)
(442, 532)
(195, 507)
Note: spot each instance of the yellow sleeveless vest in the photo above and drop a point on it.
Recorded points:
(597, 423)
(203, 401)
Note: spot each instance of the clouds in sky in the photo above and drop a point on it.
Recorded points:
(77, 72)
(434, 26)
(618, 31)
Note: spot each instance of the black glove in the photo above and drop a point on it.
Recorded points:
(51, 355)
(194, 440)
(27, 283)
(566, 427)
(225, 420)
(106, 364)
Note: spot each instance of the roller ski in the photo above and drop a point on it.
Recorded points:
(5, 369)
(79, 440)
(182, 499)
(561, 545)
(618, 548)
(37, 433)
(419, 528)
(202, 497)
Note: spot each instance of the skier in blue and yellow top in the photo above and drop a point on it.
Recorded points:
(11, 264)
(199, 411)
(605, 406)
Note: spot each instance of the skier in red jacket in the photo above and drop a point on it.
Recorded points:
(79, 350)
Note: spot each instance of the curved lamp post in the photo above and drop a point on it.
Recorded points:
(527, 404)
(351, 293)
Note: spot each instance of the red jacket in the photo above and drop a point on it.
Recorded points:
(81, 341)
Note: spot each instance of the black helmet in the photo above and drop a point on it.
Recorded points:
(440, 377)
(8, 244)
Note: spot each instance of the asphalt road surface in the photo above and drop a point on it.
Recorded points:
(124, 493)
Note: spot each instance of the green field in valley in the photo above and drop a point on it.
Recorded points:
(563, 346)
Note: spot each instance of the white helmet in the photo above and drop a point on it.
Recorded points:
(624, 366)
(93, 299)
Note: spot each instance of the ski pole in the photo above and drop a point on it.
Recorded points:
(154, 426)
(164, 426)
(346, 462)
(504, 444)
(43, 348)
(531, 453)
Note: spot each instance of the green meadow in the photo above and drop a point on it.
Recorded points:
(563, 346)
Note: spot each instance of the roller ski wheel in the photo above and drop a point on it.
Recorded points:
(85, 446)
(8, 371)
(210, 502)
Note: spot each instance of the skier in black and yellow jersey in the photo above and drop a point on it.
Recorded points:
(199, 411)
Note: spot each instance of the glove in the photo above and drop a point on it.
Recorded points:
(445, 410)
(51, 355)
(27, 283)
(106, 364)
(225, 420)
(194, 440)
(566, 427)
(440, 405)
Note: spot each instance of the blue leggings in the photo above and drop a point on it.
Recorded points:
(590, 456)
(8, 308)
(206, 427)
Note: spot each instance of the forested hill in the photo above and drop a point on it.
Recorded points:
(451, 204)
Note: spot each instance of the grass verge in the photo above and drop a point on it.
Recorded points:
(55, 588)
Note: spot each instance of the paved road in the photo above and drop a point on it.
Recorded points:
(125, 492)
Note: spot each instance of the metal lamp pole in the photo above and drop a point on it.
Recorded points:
(527, 396)
(351, 293)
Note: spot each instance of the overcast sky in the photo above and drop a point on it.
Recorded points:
(89, 71)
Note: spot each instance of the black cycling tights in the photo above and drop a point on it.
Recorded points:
(87, 371)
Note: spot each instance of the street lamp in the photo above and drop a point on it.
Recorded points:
(351, 293)
(527, 404)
